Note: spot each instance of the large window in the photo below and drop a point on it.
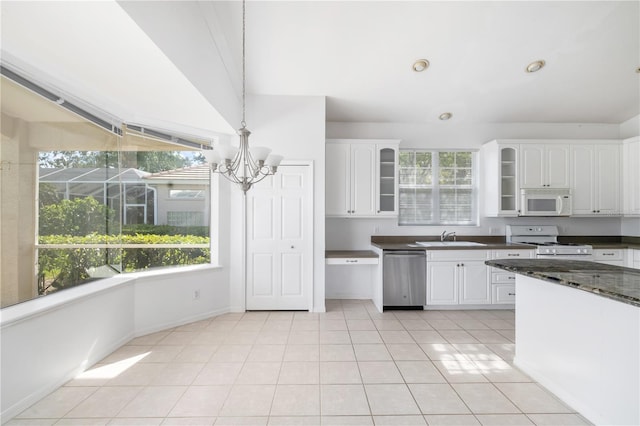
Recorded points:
(437, 188)
(82, 199)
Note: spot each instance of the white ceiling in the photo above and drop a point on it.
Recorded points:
(358, 54)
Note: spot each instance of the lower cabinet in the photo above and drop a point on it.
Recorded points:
(636, 259)
(457, 277)
(610, 256)
(503, 294)
(503, 283)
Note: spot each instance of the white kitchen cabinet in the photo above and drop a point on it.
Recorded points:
(387, 179)
(503, 283)
(636, 259)
(457, 277)
(500, 173)
(361, 177)
(544, 165)
(442, 283)
(610, 256)
(631, 176)
(474, 285)
(595, 179)
(503, 294)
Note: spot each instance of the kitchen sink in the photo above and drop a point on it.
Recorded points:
(448, 243)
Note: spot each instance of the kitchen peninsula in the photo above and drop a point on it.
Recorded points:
(578, 334)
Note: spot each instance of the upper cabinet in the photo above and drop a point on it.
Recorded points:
(361, 177)
(387, 179)
(595, 178)
(500, 186)
(592, 170)
(631, 176)
(544, 165)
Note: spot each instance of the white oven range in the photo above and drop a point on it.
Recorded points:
(545, 238)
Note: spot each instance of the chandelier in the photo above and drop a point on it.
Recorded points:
(243, 165)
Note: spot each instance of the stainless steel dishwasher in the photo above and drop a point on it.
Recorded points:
(404, 280)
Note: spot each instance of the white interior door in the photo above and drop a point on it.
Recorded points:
(280, 241)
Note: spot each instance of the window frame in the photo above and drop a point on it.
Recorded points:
(435, 188)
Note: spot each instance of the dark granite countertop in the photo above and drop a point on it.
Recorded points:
(615, 246)
(603, 242)
(614, 282)
(486, 246)
(497, 242)
(402, 242)
(340, 254)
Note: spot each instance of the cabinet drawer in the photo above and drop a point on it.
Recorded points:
(512, 254)
(457, 254)
(352, 261)
(503, 278)
(503, 294)
(636, 255)
(608, 254)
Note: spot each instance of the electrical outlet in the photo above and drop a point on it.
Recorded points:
(196, 294)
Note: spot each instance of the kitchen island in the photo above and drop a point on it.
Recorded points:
(578, 334)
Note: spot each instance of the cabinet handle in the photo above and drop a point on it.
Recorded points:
(511, 294)
(608, 254)
(352, 261)
(512, 278)
(514, 254)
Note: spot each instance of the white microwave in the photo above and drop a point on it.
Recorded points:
(545, 202)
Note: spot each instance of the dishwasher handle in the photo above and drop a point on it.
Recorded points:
(415, 253)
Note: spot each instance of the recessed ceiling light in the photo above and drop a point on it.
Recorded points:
(420, 65)
(445, 116)
(535, 66)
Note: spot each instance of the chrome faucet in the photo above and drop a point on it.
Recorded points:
(445, 235)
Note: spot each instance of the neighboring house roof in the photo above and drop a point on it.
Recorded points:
(195, 174)
(90, 181)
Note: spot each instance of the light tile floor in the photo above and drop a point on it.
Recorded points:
(349, 366)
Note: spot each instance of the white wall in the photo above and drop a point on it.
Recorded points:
(631, 226)
(355, 234)
(48, 341)
(293, 126)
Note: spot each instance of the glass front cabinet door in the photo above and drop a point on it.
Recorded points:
(387, 159)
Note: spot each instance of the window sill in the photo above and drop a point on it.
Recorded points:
(38, 306)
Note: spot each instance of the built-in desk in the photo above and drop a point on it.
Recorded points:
(351, 257)
(350, 274)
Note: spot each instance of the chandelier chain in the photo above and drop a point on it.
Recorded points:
(244, 78)
(242, 165)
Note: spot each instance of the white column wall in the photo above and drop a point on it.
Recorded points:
(292, 126)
